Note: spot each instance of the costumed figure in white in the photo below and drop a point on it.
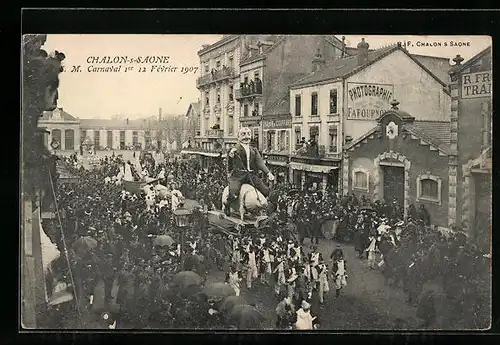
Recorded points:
(279, 272)
(177, 197)
(324, 286)
(251, 263)
(339, 270)
(233, 279)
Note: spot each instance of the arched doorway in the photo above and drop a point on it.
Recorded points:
(391, 180)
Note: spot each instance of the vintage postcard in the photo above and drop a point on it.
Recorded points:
(264, 182)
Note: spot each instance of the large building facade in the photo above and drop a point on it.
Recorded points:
(342, 101)
(68, 134)
(246, 78)
(471, 140)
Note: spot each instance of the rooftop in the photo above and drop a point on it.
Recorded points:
(57, 115)
(344, 67)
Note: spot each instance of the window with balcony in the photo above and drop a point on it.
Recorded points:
(217, 64)
(231, 62)
(109, 141)
(314, 133)
(69, 139)
(287, 141)
(97, 140)
(314, 104)
(230, 128)
(332, 139)
(360, 178)
(333, 101)
(256, 110)
(245, 110)
(218, 95)
(207, 98)
(147, 139)
(256, 137)
(245, 79)
(282, 140)
(83, 135)
(298, 137)
(231, 93)
(256, 75)
(206, 68)
(122, 140)
(298, 105)
(429, 188)
(135, 138)
(56, 136)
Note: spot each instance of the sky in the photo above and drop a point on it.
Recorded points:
(136, 94)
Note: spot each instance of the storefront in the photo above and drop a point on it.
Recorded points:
(401, 160)
(306, 175)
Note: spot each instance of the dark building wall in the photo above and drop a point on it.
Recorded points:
(422, 160)
(470, 125)
(290, 61)
(470, 120)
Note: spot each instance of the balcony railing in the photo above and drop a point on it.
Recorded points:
(214, 133)
(242, 93)
(214, 76)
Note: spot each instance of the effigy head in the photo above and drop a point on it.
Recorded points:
(244, 135)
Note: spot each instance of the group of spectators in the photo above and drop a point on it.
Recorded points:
(407, 250)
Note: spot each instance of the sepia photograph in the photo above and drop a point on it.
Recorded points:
(256, 182)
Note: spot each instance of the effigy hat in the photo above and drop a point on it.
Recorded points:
(305, 305)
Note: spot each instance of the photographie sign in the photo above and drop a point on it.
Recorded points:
(476, 85)
(366, 101)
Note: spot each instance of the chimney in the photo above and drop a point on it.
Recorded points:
(458, 60)
(362, 52)
(343, 47)
(318, 61)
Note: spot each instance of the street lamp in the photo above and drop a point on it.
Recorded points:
(182, 221)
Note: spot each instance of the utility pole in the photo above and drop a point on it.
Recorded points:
(159, 133)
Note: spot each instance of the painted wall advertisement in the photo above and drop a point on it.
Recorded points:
(367, 101)
(475, 85)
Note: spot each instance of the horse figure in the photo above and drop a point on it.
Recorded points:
(249, 200)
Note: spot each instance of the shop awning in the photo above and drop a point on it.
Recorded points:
(280, 163)
(313, 168)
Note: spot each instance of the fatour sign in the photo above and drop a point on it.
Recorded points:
(277, 123)
(367, 101)
(475, 85)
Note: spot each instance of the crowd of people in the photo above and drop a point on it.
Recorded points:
(126, 233)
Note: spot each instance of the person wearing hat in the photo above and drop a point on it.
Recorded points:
(339, 271)
(337, 253)
(285, 312)
(304, 318)
(265, 263)
(233, 279)
(290, 281)
(372, 247)
(279, 272)
(250, 260)
(323, 285)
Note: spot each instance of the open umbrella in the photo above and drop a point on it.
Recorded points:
(245, 317)
(218, 290)
(186, 278)
(163, 240)
(84, 245)
(228, 303)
